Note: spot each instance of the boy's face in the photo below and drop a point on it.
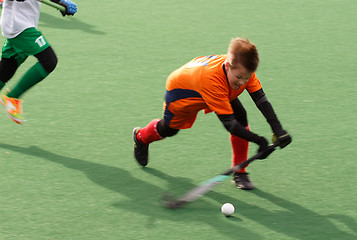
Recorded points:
(237, 76)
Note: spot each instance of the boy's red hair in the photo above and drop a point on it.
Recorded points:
(242, 51)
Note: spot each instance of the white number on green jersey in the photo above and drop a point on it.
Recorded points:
(40, 41)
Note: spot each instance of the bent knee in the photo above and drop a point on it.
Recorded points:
(47, 59)
(164, 129)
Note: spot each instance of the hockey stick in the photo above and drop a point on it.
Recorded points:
(171, 202)
(54, 5)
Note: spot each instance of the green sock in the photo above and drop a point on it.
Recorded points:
(33, 76)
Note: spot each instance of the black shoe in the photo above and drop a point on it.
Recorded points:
(242, 181)
(141, 150)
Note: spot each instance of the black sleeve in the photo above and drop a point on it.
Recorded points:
(55, 1)
(235, 128)
(267, 110)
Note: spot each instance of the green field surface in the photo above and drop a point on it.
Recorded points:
(69, 173)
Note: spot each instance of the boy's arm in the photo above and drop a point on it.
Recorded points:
(71, 7)
(267, 110)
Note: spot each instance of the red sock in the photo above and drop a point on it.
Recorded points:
(149, 133)
(240, 150)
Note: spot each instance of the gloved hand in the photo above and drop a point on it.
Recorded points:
(263, 148)
(71, 7)
(282, 138)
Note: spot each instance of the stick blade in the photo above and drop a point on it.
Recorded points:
(171, 202)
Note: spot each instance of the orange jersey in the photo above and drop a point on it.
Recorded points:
(201, 84)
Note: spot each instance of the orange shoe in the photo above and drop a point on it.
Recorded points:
(13, 108)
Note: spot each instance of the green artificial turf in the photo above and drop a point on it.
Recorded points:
(69, 173)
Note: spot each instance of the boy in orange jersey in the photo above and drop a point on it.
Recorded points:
(213, 83)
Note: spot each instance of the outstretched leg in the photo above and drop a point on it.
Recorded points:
(156, 130)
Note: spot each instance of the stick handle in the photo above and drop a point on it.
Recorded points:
(54, 5)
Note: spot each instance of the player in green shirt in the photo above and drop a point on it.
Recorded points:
(19, 21)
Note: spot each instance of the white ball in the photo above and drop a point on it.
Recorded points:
(227, 209)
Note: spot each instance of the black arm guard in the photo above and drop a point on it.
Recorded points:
(267, 109)
(62, 4)
(235, 128)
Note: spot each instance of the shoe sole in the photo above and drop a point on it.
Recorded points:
(241, 186)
